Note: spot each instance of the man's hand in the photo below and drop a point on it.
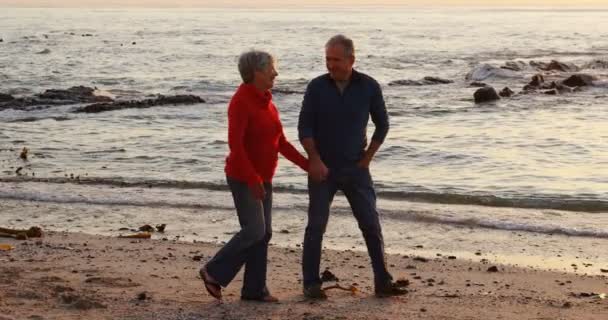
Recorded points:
(258, 191)
(368, 155)
(317, 170)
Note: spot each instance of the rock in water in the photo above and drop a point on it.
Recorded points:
(485, 71)
(506, 92)
(6, 97)
(560, 66)
(579, 80)
(485, 94)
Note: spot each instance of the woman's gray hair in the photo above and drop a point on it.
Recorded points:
(344, 41)
(252, 61)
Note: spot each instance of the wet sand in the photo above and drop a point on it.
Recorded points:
(81, 276)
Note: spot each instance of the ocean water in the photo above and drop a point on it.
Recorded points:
(536, 164)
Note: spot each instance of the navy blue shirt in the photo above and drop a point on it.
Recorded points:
(337, 122)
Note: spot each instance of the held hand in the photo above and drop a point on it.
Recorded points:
(364, 163)
(317, 170)
(258, 191)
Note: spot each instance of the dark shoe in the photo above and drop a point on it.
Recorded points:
(267, 299)
(214, 289)
(391, 289)
(315, 291)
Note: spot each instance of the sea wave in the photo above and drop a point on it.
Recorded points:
(554, 202)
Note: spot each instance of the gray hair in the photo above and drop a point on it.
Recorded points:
(344, 41)
(252, 61)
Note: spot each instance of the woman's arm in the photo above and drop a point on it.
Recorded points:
(291, 153)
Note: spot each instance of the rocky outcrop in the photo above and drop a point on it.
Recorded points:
(141, 104)
(54, 97)
(555, 65)
(579, 80)
(506, 92)
(485, 94)
(423, 82)
(75, 94)
(486, 71)
(535, 83)
(6, 97)
(477, 84)
(514, 65)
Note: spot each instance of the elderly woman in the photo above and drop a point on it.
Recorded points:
(255, 137)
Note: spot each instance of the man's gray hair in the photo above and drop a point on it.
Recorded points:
(344, 41)
(252, 61)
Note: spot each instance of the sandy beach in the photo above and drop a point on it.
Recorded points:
(80, 276)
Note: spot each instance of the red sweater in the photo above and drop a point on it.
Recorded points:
(255, 137)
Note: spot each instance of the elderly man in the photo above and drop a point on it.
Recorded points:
(332, 128)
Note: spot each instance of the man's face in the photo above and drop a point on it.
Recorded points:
(339, 65)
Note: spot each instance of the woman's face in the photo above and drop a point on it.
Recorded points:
(264, 79)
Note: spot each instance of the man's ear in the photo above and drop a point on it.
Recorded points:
(352, 60)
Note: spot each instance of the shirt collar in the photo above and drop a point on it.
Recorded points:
(355, 76)
(252, 91)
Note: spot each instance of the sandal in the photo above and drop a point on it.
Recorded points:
(214, 289)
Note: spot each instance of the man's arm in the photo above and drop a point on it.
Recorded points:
(379, 117)
(316, 168)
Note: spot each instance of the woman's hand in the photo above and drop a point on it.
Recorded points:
(317, 169)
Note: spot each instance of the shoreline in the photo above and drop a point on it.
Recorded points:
(410, 236)
(76, 275)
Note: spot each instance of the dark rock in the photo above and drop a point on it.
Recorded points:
(54, 97)
(197, 258)
(436, 80)
(579, 80)
(405, 83)
(421, 259)
(6, 97)
(146, 228)
(535, 83)
(284, 231)
(45, 51)
(142, 296)
(76, 94)
(506, 92)
(425, 81)
(514, 65)
(452, 257)
(485, 94)
(142, 104)
(551, 92)
(538, 64)
(161, 227)
(1, 40)
(493, 269)
(556, 65)
(477, 84)
(604, 270)
(327, 276)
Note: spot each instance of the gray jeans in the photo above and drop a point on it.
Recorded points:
(249, 246)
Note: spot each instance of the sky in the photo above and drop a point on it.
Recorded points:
(297, 3)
